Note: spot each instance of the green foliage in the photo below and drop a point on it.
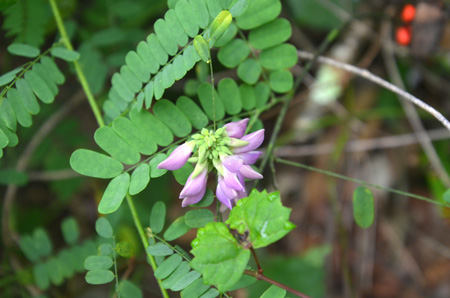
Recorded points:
(177, 229)
(262, 216)
(198, 218)
(218, 256)
(70, 230)
(104, 228)
(363, 207)
(65, 54)
(129, 290)
(274, 292)
(24, 50)
(158, 217)
(26, 21)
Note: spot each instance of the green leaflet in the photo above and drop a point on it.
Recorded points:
(218, 256)
(233, 53)
(46, 77)
(94, 164)
(22, 116)
(9, 76)
(25, 50)
(137, 66)
(185, 14)
(202, 48)
(281, 81)
(159, 250)
(198, 218)
(258, 13)
(270, 34)
(70, 230)
(7, 114)
(42, 242)
(262, 216)
(65, 54)
(129, 290)
(39, 87)
(158, 217)
(134, 136)
(139, 179)
(40, 275)
(279, 57)
(176, 275)
(98, 262)
(177, 229)
(363, 207)
(220, 24)
(231, 97)
(196, 289)
(104, 228)
(130, 79)
(176, 28)
(114, 194)
(144, 52)
(262, 93)
(122, 88)
(193, 112)
(157, 49)
(249, 71)
(114, 145)
(165, 36)
(200, 11)
(168, 266)
(27, 96)
(99, 277)
(248, 96)
(206, 100)
(153, 127)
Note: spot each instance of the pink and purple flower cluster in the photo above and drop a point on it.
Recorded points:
(227, 150)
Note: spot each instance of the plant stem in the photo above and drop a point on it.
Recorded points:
(260, 271)
(331, 36)
(260, 276)
(396, 191)
(78, 70)
(115, 267)
(144, 240)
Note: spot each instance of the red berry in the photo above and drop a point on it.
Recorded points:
(408, 13)
(403, 35)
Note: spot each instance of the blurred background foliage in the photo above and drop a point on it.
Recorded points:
(404, 254)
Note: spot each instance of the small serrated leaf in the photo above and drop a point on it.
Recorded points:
(263, 216)
(218, 256)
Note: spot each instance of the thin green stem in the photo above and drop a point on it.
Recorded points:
(212, 90)
(78, 70)
(396, 191)
(115, 267)
(144, 240)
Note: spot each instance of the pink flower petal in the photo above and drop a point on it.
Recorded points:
(193, 199)
(236, 129)
(248, 173)
(250, 157)
(231, 180)
(255, 140)
(195, 186)
(232, 163)
(222, 197)
(178, 157)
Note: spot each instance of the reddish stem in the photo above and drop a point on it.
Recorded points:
(260, 276)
